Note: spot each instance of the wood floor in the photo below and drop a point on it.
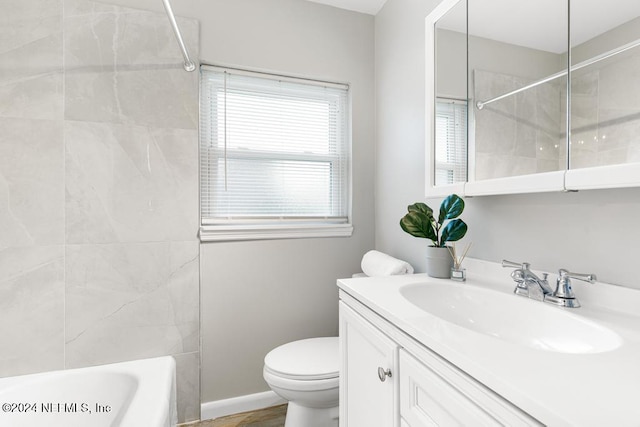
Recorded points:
(269, 417)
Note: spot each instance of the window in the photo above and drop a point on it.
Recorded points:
(451, 141)
(274, 156)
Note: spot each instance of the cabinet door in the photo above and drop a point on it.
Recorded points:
(366, 400)
(437, 394)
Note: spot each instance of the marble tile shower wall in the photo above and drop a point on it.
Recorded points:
(520, 134)
(99, 258)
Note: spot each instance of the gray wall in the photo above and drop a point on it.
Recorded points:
(590, 231)
(258, 295)
(400, 124)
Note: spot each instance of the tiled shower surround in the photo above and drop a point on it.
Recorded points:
(99, 257)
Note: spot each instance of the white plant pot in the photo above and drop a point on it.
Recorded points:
(439, 262)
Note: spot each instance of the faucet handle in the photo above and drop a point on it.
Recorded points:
(565, 275)
(563, 295)
(511, 264)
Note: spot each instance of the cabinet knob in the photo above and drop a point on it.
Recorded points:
(382, 374)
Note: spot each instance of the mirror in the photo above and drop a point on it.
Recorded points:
(517, 80)
(450, 138)
(519, 136)
(605, 83)
(513, 96)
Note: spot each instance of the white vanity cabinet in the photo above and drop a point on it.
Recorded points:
(422, 390)
(365, 353)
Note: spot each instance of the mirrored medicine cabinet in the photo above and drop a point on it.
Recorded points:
(532, 96)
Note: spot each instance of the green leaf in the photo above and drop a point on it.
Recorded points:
(450, 208)
(420, 207)
(454, 230)
(418, 224)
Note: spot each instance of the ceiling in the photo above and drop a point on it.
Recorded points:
(370, 7)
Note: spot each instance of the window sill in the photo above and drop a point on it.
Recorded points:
(222, 233)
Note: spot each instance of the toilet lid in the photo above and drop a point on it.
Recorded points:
(310, 359)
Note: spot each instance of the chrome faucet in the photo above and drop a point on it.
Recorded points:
(528, 284)
(531, 286)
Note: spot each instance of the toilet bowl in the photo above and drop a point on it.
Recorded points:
(306, 374)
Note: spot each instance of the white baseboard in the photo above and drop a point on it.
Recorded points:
(234, 405)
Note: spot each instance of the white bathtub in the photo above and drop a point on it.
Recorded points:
(138, 393)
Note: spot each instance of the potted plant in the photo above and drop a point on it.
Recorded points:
(420, 222)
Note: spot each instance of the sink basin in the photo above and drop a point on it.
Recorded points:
(511, 318)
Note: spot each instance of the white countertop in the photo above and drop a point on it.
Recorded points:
(558, 389)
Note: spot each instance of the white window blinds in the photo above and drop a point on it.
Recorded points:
(451, 141)
(273, 150)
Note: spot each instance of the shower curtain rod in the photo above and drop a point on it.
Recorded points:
(189, 65)
(597, 58)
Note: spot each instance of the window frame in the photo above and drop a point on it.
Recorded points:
(273, 227)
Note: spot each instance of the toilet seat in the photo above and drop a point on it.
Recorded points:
(279, 382)
(311, 359)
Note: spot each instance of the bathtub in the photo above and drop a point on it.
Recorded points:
(129, 394)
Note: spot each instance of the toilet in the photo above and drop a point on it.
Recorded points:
(306, 374)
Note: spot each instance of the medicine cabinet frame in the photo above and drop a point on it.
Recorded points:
(600, 177)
